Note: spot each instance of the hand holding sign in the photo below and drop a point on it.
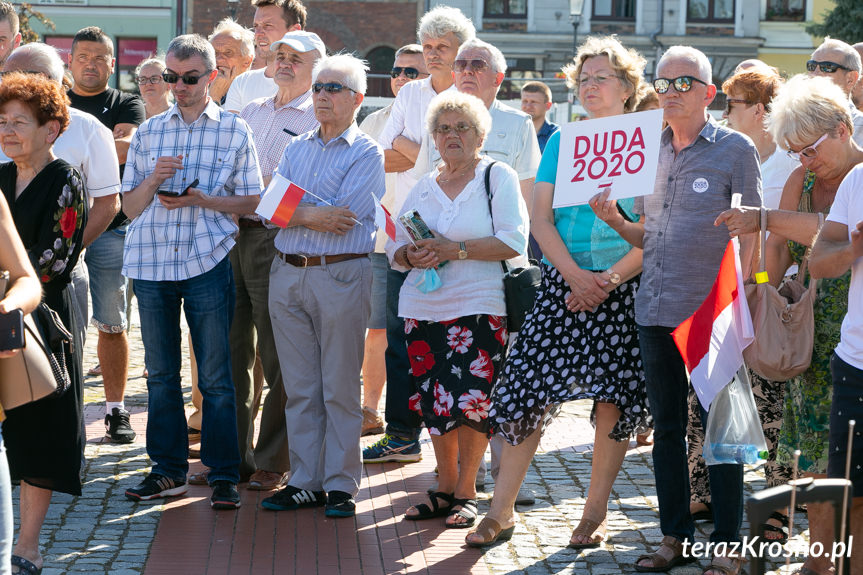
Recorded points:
(622, 151)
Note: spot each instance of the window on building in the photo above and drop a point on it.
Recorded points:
(380, 61)
(711, 10)
(786, 10)
(505, 9)
(130, 53)
(614, 9)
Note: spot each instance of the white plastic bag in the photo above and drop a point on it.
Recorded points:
(734, 433)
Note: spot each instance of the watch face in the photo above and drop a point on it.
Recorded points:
(462, 255)
(614, 278)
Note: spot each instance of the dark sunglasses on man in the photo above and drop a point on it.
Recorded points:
(827, 67)
(681, 84)
(411, 73)
(329, 87)
(188, 79)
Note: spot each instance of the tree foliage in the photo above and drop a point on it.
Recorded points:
(843, 22)
(26, 13)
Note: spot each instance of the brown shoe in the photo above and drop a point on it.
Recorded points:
(262, 480)
(372, 422)
(199, 478)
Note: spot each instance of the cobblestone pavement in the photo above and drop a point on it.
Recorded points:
(102, 532)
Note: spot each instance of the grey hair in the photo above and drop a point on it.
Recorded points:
(189, 45)
(230, 27)
(409, 49)
(441, 20)
(697, 57)
(157, 61)
(352, 70)
(498, 62)
(451, 101)
(42, 57)
(805, 108)
(851, 58)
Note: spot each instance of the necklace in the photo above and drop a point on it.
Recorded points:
(457, 175)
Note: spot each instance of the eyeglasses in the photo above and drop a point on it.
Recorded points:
(808, 152)
(826, 67)
(330, 87)
(411, 73)
(599, 79)
(476, 65)
(188, 79)
(681, 84)
(144, 80)
(730, 101)
(445, 129)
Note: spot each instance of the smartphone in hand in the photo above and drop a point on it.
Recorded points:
(183, 193)
(11, 330)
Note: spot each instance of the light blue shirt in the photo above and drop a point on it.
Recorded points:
(592, 244)
(344, 172)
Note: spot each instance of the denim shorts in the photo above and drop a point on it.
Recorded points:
(104, 259)
(847, 405)
(378, 317)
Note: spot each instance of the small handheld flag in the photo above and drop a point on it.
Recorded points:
(280, 201)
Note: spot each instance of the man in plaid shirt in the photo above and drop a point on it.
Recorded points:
(188, 170)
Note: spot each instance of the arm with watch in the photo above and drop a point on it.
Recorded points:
(610, 279)
(432, 252)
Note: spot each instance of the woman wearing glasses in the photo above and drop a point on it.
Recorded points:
(456, 333)
(580, 341)
(809, 116)
(155, 92)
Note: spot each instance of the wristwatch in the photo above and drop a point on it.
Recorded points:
(462, 251)
(613, 277)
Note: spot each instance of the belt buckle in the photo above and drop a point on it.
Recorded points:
(304, 260)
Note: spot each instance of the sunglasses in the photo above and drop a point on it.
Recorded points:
(188, 79)
(445, 129)
(330, 87)
(476, 65)
(411, 73)
(808, 152)
(826, 67)
(144, 80)
(681, 84)
(730, 101)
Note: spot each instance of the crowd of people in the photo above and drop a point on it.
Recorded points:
(108, 194)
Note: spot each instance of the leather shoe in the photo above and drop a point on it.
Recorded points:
(262, 480)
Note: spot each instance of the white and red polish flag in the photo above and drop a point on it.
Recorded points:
(280, 200)
(384, 219)
(711, 340)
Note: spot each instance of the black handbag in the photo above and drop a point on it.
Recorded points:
(520, 284)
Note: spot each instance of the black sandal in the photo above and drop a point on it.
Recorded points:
(426, 512)
(25, 566)
(783, 529)
(468, 512)
(704, 514)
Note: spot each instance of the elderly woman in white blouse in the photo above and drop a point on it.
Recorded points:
(456, 333)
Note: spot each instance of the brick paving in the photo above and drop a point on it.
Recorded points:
(101, 532)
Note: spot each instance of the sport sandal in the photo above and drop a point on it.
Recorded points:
(436, 509)
(468, 512)
(659, 563)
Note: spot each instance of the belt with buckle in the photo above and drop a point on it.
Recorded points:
(305, 262)
(247, 223)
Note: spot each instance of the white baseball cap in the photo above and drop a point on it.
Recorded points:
(301, 41)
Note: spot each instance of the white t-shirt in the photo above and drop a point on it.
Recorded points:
(88, 145)
(373, 125)
(774, 173)
(857, 120)
(249, 86)
(847, 209)
(468, 287)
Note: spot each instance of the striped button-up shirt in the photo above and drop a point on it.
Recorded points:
(218, 150)
(344, 172)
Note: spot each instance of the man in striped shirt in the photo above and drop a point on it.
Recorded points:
(320, 291)
(188, 170)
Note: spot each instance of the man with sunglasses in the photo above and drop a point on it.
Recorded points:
(191, 170)
(841, 63)
(409, 65)
(701, 165)
(91, 63)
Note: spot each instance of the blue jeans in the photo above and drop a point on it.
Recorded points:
(401, 419)
(667, 390)
(208, 302)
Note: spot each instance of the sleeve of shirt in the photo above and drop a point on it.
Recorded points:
(746, 177)
(234, 99)
(529, 156)
(839, 207)
(547, 171)
(365, 175)
(396, 123)
(136, 163)
(132, 111)
(101, 168)
(246, 178)
(508, 209)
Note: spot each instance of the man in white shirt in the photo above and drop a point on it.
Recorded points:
(841, 63)
(273, 19)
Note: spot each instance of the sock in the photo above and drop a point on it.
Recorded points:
(110, 405)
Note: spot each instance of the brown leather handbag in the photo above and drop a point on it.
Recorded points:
(783, 319)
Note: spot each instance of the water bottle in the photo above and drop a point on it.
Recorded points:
(737, 453)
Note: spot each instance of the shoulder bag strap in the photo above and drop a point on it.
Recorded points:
(491, 213)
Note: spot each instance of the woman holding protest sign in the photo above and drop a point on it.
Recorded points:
(580, 340)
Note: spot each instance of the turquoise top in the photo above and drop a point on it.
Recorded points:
(592, 244)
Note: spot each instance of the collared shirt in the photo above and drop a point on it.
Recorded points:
(249, 86)
(218, 150)
(548, 128)
(857, 120)
(269, 124)
(344, 172)
(373, 125)
(682, 247)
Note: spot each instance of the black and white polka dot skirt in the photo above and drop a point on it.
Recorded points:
(561, 356)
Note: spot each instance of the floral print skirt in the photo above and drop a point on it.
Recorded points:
(453, 366)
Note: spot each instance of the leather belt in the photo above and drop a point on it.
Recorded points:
(305, 262)
(247, 223)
